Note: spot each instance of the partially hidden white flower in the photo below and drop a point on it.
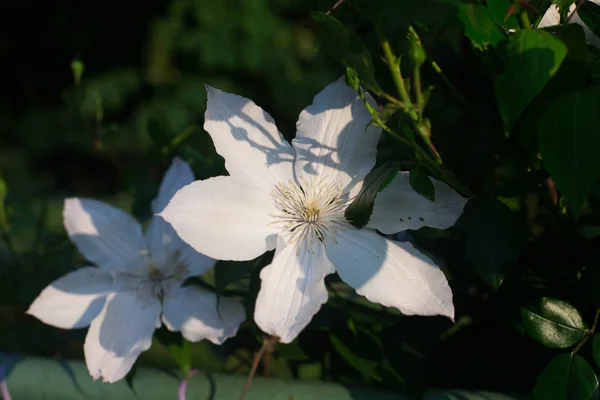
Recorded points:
(552, 17)
(292, 198)
(137, 279)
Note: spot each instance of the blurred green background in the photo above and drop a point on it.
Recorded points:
(96, 99)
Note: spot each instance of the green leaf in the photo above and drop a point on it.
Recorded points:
(499, 9)
(554, 323)
(348, 349)
(563, 7)
(589, 12)
(569, 144)
(573, 73)
(493, 239)
(566, 377)
(421, 184)
(534, 56)
(229, 272)
(359, 211)
(596, 348)
(346, 47)
(479, 24)
(182, 354)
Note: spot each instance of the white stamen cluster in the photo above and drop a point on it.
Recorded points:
(312, 210)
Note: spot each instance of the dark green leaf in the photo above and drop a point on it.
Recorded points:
(361, 208)
(499, 10)
(569, 144)
(589, 12)
(479, 24)
(534, 56)
(228, 272)
(349, 348)
(493, 240)
(566, 377)
(421, 184)
(554, 323)
(346, 47)
(573, 72)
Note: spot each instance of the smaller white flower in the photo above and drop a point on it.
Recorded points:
(138, 277)
(552, 17)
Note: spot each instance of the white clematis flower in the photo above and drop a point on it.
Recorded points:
(293, 199)
(138, 277)
(552, 17)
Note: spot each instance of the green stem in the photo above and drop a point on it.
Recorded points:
(576, 349)
(419, 91)
(393, 63)
(524, 18)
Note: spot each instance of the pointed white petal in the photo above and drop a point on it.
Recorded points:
(551, 17)
(247, 138)
(177, 176)
(398, 207)
(193, 311)
(105, 235)
(73, 300)
(333, 140)
(166, 246)
(223, 218)
(292, 289)
(119, 334)
(391, 273)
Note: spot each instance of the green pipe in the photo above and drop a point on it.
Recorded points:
(45, 379)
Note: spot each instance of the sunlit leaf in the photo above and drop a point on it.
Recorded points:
(554, 323)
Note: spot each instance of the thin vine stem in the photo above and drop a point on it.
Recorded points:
(267, 347)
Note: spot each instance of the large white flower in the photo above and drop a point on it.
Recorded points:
(293, 199)
(552, 17)
(138, 278)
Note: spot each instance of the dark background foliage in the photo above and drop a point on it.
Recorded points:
(96, 99)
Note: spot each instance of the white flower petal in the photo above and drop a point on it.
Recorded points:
(105, 235)
(333, 140)
(177, 176)
(165, 244)
(292, 289)
(398, 207)
(391, 273)
(223, 218)
(119, 334)
(73, 300)
(247, 138)
(552, 16)
(193, 311)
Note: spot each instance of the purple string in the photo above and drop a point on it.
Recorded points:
(6, 360)
(183, 384)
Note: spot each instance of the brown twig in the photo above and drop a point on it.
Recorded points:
(336, 5)
(267, 347)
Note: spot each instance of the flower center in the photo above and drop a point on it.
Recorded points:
(312, 210)
(168, 276)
